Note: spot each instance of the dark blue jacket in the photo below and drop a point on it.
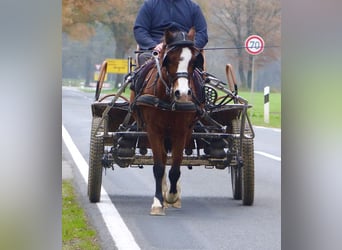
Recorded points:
(155, 16)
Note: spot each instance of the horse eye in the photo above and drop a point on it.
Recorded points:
(181, 58)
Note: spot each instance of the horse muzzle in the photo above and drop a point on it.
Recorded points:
(182, 96)
(181, 90)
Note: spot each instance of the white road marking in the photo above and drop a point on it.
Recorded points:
(117, 228)
(266, 128)
(268, 155)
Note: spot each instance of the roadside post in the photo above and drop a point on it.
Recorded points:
(267, 104)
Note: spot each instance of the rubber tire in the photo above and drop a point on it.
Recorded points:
(248, 172)
(236, 174)
(235, 171)
(243, 178)
(95, 164)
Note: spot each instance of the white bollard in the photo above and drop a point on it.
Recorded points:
(267, 104)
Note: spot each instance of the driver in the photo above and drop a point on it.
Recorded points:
(155, 16)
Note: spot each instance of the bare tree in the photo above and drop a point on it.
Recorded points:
(235, 20)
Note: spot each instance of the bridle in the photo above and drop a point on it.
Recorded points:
(168, 84)
(155, 55)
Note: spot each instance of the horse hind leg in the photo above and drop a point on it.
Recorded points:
(165, 189)
(173, 197)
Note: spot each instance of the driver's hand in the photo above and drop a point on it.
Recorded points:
(158, 47)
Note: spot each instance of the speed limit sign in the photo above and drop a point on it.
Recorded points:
(254, 45)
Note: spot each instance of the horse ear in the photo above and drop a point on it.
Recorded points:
(168, 36)
(199, 61)
(191, 33)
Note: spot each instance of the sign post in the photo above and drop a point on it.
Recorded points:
(254, 45)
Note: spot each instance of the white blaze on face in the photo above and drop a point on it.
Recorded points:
(183, 85)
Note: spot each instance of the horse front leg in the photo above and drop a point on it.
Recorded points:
(159, 157)
(157, 207)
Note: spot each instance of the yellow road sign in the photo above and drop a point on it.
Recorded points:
(97, 74)
(117, 66)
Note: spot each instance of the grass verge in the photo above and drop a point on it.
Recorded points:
(76, 232)
(256, 113)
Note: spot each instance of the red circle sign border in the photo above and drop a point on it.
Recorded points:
(261, 47)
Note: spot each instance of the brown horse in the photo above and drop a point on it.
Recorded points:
(167, 109)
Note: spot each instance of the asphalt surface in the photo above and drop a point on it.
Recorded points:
(209, 218)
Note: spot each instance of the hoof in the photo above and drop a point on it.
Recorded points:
(171, 198)
(166, 205)
(157, 211)
(157, 208)
(177, 204)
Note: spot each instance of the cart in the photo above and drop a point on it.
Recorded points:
(223, 138)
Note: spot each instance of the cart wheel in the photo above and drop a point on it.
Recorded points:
(243, 178)
(236, 171)
(95, 165)
(236, 182)
(248, 172)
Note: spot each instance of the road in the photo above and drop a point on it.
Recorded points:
(209, 217)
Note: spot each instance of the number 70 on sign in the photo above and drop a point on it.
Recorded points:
(254, 45)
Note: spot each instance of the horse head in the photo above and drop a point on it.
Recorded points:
(178, 57)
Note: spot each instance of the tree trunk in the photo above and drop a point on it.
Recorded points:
(241, 69)
(88, 72)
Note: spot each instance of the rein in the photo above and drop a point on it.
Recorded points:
(155, 55)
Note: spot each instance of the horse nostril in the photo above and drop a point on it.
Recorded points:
(177, 93)
(189, 92)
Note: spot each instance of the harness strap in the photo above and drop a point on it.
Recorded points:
(156, 58)
(153, 101)
(179, 75)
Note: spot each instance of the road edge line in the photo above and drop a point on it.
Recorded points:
(117, 228)
(268, 155)
(268, 128)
